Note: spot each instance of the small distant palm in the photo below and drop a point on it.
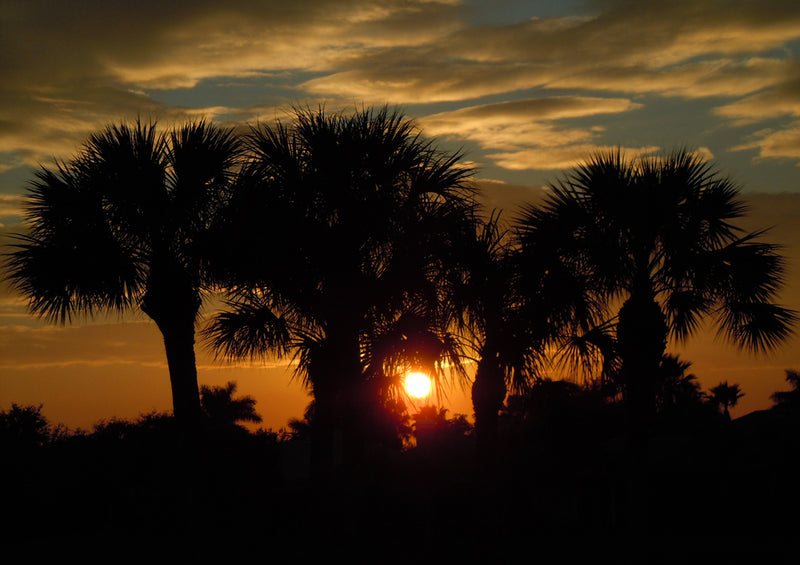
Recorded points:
(790, 398)
(223, 409)
(125, 225)
(674, 386)
(301, 428)
(726, 396)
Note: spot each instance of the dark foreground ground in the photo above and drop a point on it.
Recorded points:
(726, 494)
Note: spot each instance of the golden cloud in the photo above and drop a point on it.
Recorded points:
(10, 205)
(556, 158)
(90, 344)
(777, 102)
(245, 40)
(781, 143)
(71, 67)
(718, 77)
(648, 48)
(527, 134)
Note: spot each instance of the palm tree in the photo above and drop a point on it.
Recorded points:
(655, 242)
(514, 314)
(125, 224)
(365, 210)
(226, 411)
(727, 396)
(482, 301)
(673, 386)
(789, 398)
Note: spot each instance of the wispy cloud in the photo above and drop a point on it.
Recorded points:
(532, 133)
(782, 143)
(560, 157)
(68, 68)
(96, 345)
(91, 345)
(784, 100)
(10, 205)
(692, 49)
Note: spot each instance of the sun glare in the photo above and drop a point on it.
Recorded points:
(418, 385)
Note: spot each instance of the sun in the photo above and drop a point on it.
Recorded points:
(418, 385)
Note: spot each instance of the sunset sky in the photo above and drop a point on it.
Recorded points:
(525, 88)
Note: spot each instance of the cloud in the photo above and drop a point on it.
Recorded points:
(782, 143)
(783, 100)
(699, 79)
(381, 78)
(704, 153)
(176, 44)
(692, 49)
(10, 205)
(508, 197)
(53, 123)
(71, 67)
(556, 158)
(90, 344)
(548, 108)
(530, 134)
(779, 141)
(98, 345)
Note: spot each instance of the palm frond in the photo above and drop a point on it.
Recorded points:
(749, 268)
(685, 310)
(589, 353)
(248, 329)
(202, 161)
(73, 261)
(757, 327)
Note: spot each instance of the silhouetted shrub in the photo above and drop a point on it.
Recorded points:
(560, 416)
(24, 427)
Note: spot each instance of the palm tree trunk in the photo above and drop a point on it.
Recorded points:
(179, 346)
(488, 394)
(355, 401)
(642, 340)
(174, 310)
(325, 431)
(337, 387)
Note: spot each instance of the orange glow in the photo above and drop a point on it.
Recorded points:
(418, 385)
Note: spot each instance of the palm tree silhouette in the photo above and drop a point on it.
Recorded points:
(790, 398)
(518, 312)
(482, 297)
(125, 224)
(674, 386)
(365, 210)
(655, 243)
(226, 411)
(726, 396)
